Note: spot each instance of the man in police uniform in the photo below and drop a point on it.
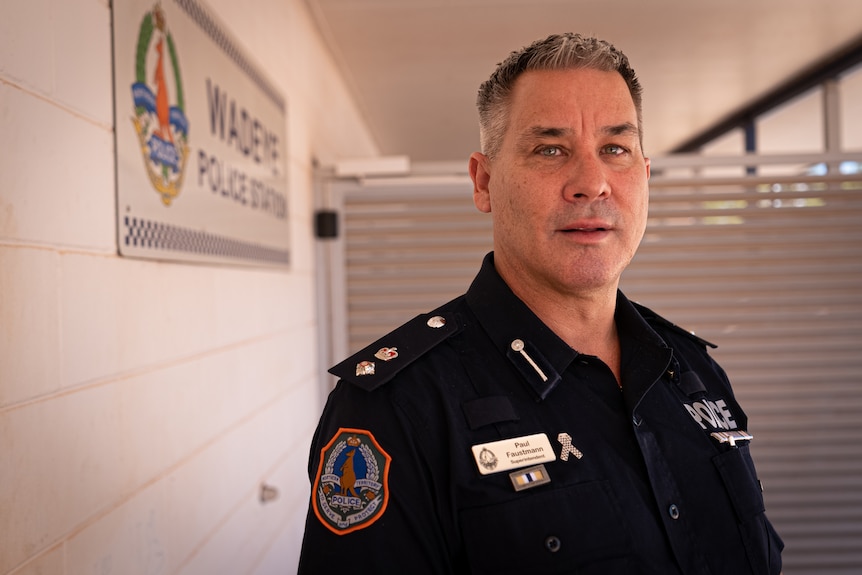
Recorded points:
(542, 423)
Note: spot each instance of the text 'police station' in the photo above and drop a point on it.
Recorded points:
(239, 129)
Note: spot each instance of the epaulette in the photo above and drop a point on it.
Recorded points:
(653, 318)
(382, 360)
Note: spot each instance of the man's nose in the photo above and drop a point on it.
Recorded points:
(587, 179)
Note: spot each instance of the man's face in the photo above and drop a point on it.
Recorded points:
(568, 189)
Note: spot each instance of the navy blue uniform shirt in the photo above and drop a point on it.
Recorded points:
(409, 474)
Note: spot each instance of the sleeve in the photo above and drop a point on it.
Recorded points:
(375, 505)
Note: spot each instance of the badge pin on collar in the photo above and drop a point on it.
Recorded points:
(518, 345)
(568, 449)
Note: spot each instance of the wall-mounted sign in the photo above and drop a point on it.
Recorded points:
(200, 140)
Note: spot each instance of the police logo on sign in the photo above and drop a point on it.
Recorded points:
(160, 119)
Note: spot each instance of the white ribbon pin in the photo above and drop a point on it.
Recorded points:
(568, 448)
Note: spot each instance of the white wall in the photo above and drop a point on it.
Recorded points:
(142, 404)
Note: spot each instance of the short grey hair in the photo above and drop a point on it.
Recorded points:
(556, 52)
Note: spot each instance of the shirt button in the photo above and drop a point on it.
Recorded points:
(673, 511)
(552, 544)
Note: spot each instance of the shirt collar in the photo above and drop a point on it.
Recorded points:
(536, 351)
(507, 320)
(645, 355)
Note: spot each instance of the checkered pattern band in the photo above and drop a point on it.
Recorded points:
(201, 16)
(148, 234)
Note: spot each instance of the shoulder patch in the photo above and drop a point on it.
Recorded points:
(380, 361)
(655, 319)
(351, 488)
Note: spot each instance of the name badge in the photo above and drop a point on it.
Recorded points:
(513, 453)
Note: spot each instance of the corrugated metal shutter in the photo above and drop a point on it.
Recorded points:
(408, 250)
(769, 269)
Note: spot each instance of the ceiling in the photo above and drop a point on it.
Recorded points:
(414, 66)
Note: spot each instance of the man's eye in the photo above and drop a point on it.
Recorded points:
(550, 151)
(614, 150)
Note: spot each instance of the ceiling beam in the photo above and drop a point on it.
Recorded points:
(824, 70)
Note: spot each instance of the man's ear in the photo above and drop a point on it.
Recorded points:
(480, 173)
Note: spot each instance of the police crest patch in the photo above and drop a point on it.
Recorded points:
(351, 489)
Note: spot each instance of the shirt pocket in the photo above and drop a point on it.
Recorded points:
(740, 481)
(762, 544)
(578, 529)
